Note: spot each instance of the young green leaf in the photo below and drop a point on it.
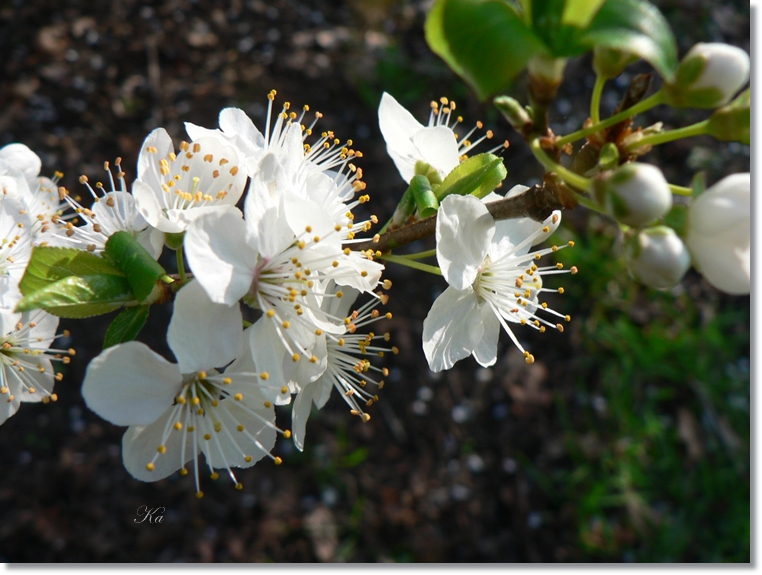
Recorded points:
(478, 176)
(51, 264)
(141, 269)
(634, 27)
(484, 41)
(80, 296)
(425, 198)
(126, 326)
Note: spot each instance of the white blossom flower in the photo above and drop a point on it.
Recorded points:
(493, 282)
(172, 189)
(436, 145)
(719, 234)
(26, 368)
(347, 367)
(112, 211)
(176, 410)
(15, 250)
(282, 164)
(20, 179)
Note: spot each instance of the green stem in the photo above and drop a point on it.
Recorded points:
(595, 102)
(167, 279)
(640, 107)
(181, 264)
(411, 264)
(698, 129)
(565, 174)
(680, 190)
(583, 200)
(420, 255)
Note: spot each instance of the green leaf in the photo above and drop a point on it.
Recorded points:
(50, 264)
(483, 41)
(425, 199)
(635, 27)
(579, 13)
(141, 269)
(80, 296)
(126, 326)
(477, 176)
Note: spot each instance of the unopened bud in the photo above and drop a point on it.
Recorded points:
(635, 194)
(514, 112)
(708, 76)
(657, 257)
(545, 75)
(610, 62)
(719, 234)
(732, 123)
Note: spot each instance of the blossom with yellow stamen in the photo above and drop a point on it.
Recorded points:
(493, 281)
(173, 188)
(177, 410)
(26, 356)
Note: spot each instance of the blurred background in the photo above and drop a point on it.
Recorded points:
(627, 440)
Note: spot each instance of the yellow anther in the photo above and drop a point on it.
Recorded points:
(284, 389)
(195, 401)
(162, 449)
(207, 436)
(286, 324)
(239, 486)
(270, 313)
(227, 381)
(264, 375)
(183, 471)
(278, 461)
(150, 466)
(238, 397)
(573, 270)
(178, 425)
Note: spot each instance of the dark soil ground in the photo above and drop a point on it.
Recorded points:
(450, 468)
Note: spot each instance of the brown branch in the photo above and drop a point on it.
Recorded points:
(538, 202)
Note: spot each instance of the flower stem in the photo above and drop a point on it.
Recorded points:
(680, 190)
(697, 129)
(420, 255)
(595, 102)
(583, 200)
(565, 174)
(181, 264)
(402, 260)
(640, 107)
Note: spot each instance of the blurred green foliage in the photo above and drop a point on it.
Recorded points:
(658, 436)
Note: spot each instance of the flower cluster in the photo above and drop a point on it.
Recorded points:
(284, 256)
(29, 207)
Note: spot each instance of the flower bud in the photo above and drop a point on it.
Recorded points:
(708, 76)
(732, 123)
(545, 75)
(635, 194)
(514, 112)
(657, 257)
(719, 234)
(610, 62)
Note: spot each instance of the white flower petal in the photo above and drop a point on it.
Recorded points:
(221, 261)
(245, 135)
(452, 329)
(24, 159)
(438, 147)
(140, 444)
(129, 384)
(300, 412)
(515, 230)
(269, 356)
(203, 334)
(151, 209)
(464, 231)
(486, 351)
(147, 161)
(398, 126)
(42, 378)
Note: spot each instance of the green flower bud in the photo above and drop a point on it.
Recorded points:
(635, 194)
(708, 76)
(610, 62)
(657, 257)
(514, 112)
(732, 123)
